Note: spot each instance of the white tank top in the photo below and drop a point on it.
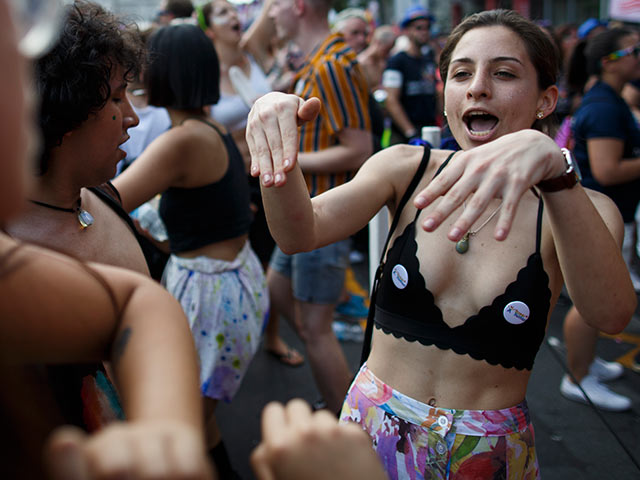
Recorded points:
(231, 110)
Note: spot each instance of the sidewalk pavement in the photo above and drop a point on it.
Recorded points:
(572, 442)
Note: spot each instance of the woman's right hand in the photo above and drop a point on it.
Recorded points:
(272, 134)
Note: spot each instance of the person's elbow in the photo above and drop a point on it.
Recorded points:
(361, 150)
(619, 314)
(366, 149)
(606, 177)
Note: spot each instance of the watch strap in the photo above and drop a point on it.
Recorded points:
(568, 179)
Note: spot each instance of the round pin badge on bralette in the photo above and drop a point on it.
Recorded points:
(400, 276)
(516, 312)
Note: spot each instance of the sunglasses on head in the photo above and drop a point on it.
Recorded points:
(634, 49)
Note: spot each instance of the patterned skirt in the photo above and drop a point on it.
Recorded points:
(227, 304)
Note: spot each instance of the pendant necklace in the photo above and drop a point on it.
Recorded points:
(85, 219)
(462, 245)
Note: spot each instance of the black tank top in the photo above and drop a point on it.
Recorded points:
(507, 332)
(199, 216)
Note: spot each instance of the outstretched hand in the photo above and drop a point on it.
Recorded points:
(272, 134)
(504, 168)
(297, 443)
(138, 451)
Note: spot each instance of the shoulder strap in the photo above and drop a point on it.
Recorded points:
(407, 194)
(440, 168)
(366, 344)
(539, 225)
(108, 193)
(212, 125)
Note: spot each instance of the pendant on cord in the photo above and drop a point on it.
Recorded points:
(462, 245)
(84, 218)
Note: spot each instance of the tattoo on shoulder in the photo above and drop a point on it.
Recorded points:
(120, 344)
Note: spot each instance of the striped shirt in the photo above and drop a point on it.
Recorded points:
(333, 75)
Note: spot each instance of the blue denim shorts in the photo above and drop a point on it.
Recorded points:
(316, 276)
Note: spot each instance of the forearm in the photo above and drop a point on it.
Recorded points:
(336, 159)
(289, 213)
(257, 39)
(155, 361)
(624, 171)
(594, 271)
(399, 117)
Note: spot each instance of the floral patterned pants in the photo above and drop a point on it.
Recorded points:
(416, 441)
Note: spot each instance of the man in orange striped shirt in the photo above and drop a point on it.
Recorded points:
(306, 287)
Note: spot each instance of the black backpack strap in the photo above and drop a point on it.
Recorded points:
(368, 332)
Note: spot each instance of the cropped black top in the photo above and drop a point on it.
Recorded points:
(199, 216)
(507, 332)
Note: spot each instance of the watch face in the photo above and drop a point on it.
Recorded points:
(568, 157)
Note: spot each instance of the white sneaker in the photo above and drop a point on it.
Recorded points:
(599, 394)
(605, 371)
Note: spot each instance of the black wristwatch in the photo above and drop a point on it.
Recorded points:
(568, 179)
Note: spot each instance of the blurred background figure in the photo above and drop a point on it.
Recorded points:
(607, 148)
(172, 9)
(410, 79)
(353, 24)
(373, 59)
(306, 287)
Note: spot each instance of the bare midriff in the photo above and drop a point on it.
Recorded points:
(444, 378)
(226, 250)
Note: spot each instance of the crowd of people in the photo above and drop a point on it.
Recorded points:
(146, 272)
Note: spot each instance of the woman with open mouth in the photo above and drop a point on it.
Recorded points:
(480, 245)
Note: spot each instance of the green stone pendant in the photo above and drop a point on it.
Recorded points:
(462, 245)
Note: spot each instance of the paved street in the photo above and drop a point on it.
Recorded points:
(572, 441)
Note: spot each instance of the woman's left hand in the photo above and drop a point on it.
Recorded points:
(504, 168)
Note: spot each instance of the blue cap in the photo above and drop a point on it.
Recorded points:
(416, 12)
(588, 25)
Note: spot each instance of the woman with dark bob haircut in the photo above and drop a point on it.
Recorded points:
(177, 83)
(480, 245)
(197, 167)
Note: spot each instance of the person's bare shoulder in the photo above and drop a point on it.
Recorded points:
(606, 208)
(399, 164)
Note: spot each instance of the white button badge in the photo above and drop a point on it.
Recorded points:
(400, 276)
(516, 313)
